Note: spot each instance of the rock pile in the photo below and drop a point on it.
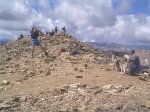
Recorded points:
(16, 56)
(80, 98)
(66, 80)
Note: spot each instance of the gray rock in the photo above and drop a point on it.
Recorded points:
(1, 88)
(4, 106)
(85, 65)
(107, 69)
(97, 91)
(5, 82)
(146, 104)
(81, 91)
(93, 87)
(16, 99)
(2, 72)
(83, 108)
(79, 76)
(97, 109)
(107, 86)
(142, 78)
(75, 110)
(8, 59)
(23, 98)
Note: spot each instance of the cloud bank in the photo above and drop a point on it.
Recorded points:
(89, 20)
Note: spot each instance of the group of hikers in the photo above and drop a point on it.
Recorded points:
(55, 31)
(132, 62)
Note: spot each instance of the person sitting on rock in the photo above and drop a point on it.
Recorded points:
(35, 42)
(52, 33)
(134, 63)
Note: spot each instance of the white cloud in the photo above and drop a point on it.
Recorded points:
(89, 20)
(87, 12)
(18, 17)
(127, 30)
(125, 6)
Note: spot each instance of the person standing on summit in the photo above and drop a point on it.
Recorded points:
(35, 42)
(56, 30)
(63, 30)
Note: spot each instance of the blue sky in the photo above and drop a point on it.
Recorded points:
(121, 21)
(141, 7)
(136, 6)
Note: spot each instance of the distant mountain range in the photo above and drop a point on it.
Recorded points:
(4, 41)
(102, 46)
(116, 46)
(146, 47)
(108, 46)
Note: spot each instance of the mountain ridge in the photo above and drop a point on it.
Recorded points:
(63, 82)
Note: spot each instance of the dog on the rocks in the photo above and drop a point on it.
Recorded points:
(123, 63)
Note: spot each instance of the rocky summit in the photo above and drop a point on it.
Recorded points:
(65, 81)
